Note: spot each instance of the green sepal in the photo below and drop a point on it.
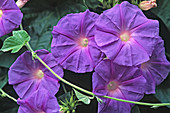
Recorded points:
(99, 100)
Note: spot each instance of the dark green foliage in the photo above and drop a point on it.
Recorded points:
(3, 76)
(39, 18)
(162, 11)
(163, 91)
(135, 109)
(7, 105)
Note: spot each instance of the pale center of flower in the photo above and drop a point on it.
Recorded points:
(39, 74)
(112, 85)
(125, 37)
(41, 112)
(1, 13)
(84, 42)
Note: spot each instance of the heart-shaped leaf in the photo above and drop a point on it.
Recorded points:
(15, 42)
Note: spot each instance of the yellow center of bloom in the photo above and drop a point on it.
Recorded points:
(84, 42)
(125, 37)
(112, 85)
(39, 74)
(1, 13)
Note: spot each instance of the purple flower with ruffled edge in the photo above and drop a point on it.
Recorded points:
(120, 82)
(41, 101)
(125, 35)
(10, 16)
(27, 75)
(156, 69)
(73, 42)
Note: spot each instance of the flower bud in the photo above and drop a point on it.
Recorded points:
(146, 5)
(21, 3)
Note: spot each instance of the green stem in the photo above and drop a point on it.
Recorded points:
(86, 91)
(139, 103)
(21, 27)
(6, 95)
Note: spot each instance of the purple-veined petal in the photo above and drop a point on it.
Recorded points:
(73, 42)
(9, 10)
(27, 75)
(125, 35)
(117, 81)
(39, 101)
(157, 68)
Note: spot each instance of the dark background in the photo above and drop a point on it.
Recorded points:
(39, 18)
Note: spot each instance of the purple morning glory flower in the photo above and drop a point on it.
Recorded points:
(27, 75)
(41, 101)
(156, 69)
(10, 16)
(125, 35)
(120, 82)
(73, 42)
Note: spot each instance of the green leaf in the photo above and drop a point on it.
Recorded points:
(3, 77)
(135, 109)
(40, 30)
(3, 81)
(163, 91)
(83, 98)
(162, 11)
(15, 42)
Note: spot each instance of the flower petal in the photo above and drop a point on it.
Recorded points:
(67, 46)
(39, 102)
(157, 68)
(7, 21)
(23, 74)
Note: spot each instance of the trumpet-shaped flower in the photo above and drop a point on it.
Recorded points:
(120, 82)
(125, 35)
(10, 16)
(27, 74)
(41, 101)
(73, 42)
(156, 69)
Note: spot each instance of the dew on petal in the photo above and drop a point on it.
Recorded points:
(1, 13)
(39, 74)
(125, 36)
